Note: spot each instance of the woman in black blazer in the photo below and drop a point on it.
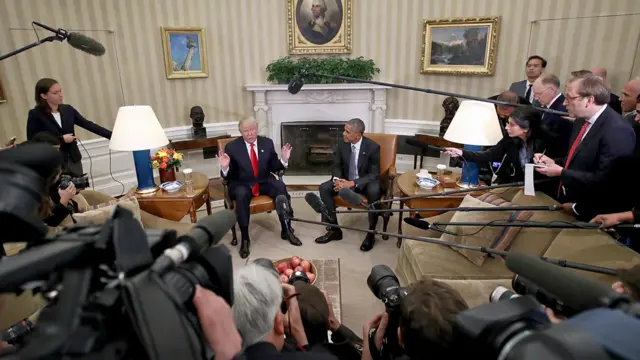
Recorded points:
(52, 116)
(526, 138)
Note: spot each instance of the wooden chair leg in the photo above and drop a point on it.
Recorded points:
(385, 222)
(234, 240)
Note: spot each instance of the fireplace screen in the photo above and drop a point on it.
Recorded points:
(314, 145)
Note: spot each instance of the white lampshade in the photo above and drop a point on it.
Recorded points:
(137, 128)
(475, 123)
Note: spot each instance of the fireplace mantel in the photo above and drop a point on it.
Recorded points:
(273, 105)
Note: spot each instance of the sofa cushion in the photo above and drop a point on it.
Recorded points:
(592, 247)
(508, 234)
(475, 235)
(102, 212)
(535, 241)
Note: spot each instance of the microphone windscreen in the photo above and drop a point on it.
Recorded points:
(578, 292)
(210, 230)
(282, 205)
(41, 158)
(420, 224)
(315, 202)
(86, 44)
(295, 84)
(350, 196)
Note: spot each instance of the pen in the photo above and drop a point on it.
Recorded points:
(541, 155)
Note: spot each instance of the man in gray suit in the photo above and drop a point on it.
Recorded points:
(534, 68)
(628, 97)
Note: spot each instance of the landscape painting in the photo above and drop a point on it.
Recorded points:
(466, 46)
(184, 52)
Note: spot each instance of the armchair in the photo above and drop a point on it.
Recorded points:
(259, 204)
(388, 151)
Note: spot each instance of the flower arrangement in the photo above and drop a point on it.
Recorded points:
(166, 159)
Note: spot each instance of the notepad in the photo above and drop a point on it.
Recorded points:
(529, 188)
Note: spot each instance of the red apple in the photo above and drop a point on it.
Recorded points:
(311, 277)
(288, 272)
(295, 261)
(282, 267)
(299, 268)
(306, 265)
(284, 278)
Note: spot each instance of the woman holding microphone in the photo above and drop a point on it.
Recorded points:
(51, 115)
(513, 152)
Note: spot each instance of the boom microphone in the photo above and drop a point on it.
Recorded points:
(316, 204)
(530, 224)
(462, 209)
(352, 198)
(86, 44)
(283, 208)
(296, 83)
(580, 293)
(207, 232)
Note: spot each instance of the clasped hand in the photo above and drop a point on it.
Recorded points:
(340, 184)
(550, 167)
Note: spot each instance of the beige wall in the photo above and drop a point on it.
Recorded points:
(243, 36)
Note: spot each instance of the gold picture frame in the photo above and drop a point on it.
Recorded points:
(185, 52)
(463, 46)
(319, 26)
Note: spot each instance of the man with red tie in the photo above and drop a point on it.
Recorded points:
(599, 142)
(247, 163)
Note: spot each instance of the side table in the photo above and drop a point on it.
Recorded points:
(407, 185)
(174, 206)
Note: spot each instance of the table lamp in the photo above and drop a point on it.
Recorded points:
(474, 125)
(137, 129)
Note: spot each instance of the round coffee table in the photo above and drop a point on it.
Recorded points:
(407, 185)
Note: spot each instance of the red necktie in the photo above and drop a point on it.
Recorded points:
(574, 146)
(254, 164)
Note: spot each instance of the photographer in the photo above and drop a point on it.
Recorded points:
(428, 314)
(257, 313)
(316, 315)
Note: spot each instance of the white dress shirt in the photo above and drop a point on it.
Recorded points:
(248, 145)
(56, 115)
(357, 151)
(553, 101)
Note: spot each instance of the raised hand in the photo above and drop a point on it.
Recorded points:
(223, 160)
(286, 152)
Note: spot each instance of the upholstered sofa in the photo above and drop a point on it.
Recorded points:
(15, 308)
(417, 259)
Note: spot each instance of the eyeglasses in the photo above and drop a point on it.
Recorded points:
(571, 98)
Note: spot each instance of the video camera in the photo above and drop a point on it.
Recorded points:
(114, 291)
(80, 182)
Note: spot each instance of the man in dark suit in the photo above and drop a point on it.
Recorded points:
(248, 163)
(600, 139)
(614, 100)
(534, 67)
(546, 90)
(628, 96)
(357, 167)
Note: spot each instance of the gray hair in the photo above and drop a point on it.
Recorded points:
(257, 298)
(592, 85)
(357, 125)
(550, 79)
(246, 121)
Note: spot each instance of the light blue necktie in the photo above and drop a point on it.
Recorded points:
(353, 167)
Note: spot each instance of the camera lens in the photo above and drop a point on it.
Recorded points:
(502, 293)
(380, 279)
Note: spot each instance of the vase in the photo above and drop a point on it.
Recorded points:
(167, 175)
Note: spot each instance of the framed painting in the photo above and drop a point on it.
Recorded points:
(319, 26)
(461, 46)
(185, 52)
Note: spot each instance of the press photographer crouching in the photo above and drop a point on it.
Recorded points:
(418, 322)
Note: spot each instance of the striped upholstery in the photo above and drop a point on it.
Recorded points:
(504, 239)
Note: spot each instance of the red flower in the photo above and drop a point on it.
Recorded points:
(163, 166)
(165, 160)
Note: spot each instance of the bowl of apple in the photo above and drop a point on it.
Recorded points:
(287, 266)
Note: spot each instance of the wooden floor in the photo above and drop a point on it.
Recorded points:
(217, 192)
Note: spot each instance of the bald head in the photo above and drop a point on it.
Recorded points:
(598, 71)
(629, 95)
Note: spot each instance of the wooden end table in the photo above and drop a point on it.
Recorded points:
(176, 205)
(407, 185)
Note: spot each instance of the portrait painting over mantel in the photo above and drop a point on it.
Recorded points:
(319, 26)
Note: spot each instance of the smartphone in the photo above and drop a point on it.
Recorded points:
(11, 141)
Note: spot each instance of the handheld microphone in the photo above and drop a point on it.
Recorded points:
(352, 198)
(316, 204)
(580, 293)
(207, 232)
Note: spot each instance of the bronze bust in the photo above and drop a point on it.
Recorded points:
(450, 105)
(197, 118)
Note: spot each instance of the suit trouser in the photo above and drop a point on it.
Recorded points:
(242, 194)
(371, 191)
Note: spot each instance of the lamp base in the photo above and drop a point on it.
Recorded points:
(144, 172)
(470, 171)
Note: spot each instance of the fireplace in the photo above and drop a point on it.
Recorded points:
(314, 145)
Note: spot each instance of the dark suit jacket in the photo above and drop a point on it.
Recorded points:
(240, 169)
(368, 162)
(558, 130)
(345, 345)
(266, 351)
(39, 121)
(609, 140)
(615, 104)
(520, 88)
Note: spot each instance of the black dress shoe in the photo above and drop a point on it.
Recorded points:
(285, 235)
(331, 235)
(244, 248)
(368, 242)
